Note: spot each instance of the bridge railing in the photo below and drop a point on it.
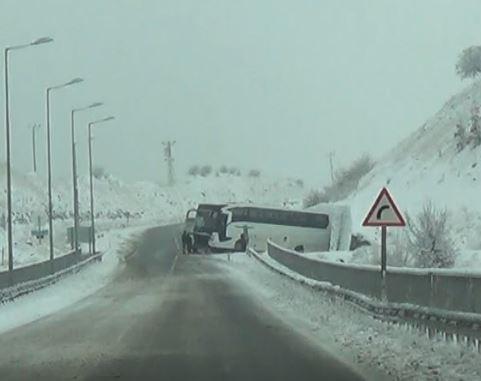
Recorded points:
(435, 288)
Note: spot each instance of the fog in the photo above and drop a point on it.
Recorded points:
(274, 85)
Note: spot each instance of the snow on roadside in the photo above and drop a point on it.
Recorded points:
(120, 204)
(68, 290)
(467, 261)
(398, 352)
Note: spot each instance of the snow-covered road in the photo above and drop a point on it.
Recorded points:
(165, 316)
(399, 352)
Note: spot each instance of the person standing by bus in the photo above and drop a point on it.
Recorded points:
(190, 243)
(185, 242)
(241, 243)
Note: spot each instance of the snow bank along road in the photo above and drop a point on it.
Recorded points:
(166, 317)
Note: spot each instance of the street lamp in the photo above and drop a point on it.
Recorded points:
(74, 173)
(39, 41)
(49, 163)
(34, 146)
(92, 216)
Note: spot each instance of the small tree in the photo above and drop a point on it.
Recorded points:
(99, 173)
(475, 129)
(223, 169)
(205, 171)
(461, 137)
(194, 170)
(315, 197)
(429, 239)
(347, 180)
(469, 62)
(254, 173)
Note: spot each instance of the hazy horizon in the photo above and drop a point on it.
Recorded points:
(273, 85)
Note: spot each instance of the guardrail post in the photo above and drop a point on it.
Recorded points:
(470, 294)
(383, 263)
(432, 291)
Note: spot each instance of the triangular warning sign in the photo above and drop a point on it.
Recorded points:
(384, 212)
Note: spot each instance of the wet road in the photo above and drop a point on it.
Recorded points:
(165, 317)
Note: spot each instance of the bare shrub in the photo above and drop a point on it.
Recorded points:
(99, 173)
(315, 197)
(254, 173)
(429, 239)
(346, 181)
(300, 183)
(194, 170)
(205, 170)
(461, 137)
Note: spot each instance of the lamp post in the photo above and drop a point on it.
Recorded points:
(7, 50)
(49, 163)
(74, 173)
(34, 147)
(92, 216)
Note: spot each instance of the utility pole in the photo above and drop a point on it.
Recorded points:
(170, 160)
(34, 147)
(331, 165)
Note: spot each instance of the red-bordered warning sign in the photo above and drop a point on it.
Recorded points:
(384, 212)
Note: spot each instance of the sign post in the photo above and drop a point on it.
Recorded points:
(384, 213)
(39, 233)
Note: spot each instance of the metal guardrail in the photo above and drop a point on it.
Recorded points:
(30, 278)
(434, 288)
(465, 326)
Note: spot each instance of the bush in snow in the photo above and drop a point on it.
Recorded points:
(99, 173)
(205, 171)
(224, 169)
(345, 182)
(194, 170)
(428, 238)
(300, 183)
(461, 137)
(254, 173)
(366, 252)
(475, 129)
(469, 63)
(314, 197)
(234, 171)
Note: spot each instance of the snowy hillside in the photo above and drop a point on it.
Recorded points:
(119, 204)
(427, 165)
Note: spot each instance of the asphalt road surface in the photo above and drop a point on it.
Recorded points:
(165, 317)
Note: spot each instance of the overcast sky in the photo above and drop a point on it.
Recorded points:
(265, 84)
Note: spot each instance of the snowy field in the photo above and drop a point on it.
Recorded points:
(378, 348)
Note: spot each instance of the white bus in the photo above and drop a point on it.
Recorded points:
(295, 229)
